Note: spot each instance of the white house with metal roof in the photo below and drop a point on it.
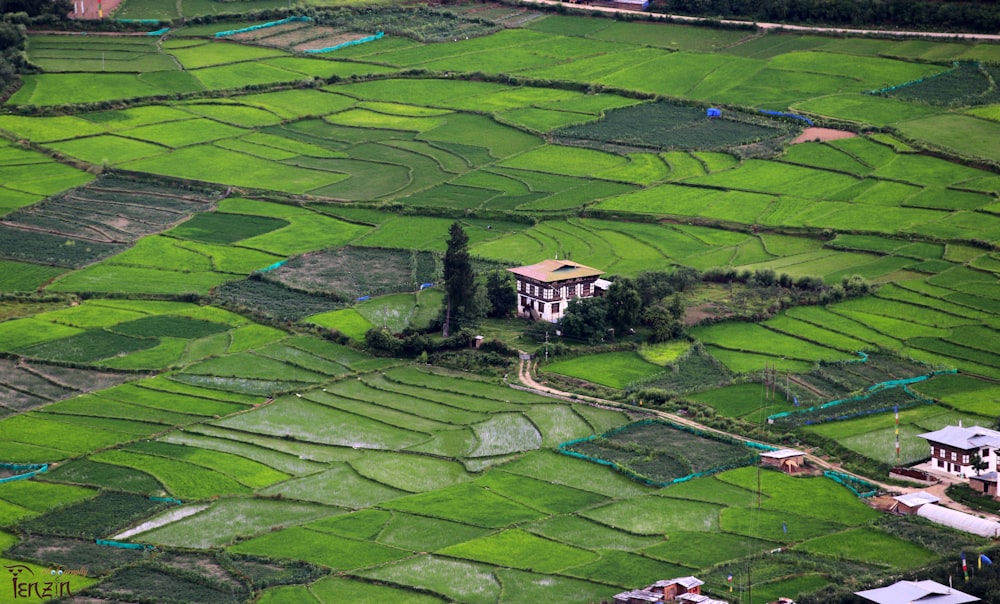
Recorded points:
(916, 592)
(953, 447)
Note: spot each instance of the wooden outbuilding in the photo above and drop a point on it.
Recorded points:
(908, 504)
(984, 483)
(788, 461)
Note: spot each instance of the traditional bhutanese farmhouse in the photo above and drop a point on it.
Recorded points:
(788, 461)
(916, 592)
(953, 447)
(545, 289)
(671, 589)
(685, 590)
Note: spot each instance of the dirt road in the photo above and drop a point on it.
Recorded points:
(524, 375)
(782, 26)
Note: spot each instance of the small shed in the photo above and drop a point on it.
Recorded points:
(788, 461)
(909, 504)
(601, 287)
(984, 483)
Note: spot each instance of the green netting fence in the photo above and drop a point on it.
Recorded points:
(954, 66)
(748, 460)
(364, 40)
(123, 545)
(28, 470)
(861, 488)
(903, 384)
(233, 32)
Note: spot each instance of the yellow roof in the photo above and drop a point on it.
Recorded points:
(549, 271)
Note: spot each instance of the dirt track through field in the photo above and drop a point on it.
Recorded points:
(525, 377)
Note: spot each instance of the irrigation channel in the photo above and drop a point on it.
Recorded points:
(526, 378)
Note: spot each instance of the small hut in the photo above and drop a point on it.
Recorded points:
(788, 461)
(985, 483)
(909, 504)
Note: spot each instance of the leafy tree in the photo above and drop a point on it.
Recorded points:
(36, 8)
(462, 303)
(978, 463)
(662, 323)
(624, 304)
(676, 308)
(585, 319)
(655, 285)
(501, 294)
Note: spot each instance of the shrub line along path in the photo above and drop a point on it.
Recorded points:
(938, 490)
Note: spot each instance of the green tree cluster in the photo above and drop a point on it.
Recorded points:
(15, 15)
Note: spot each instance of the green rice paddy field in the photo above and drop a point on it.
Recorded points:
(162, 199)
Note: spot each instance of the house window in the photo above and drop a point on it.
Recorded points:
(965, 460)
(524, 301)
(555, 308)
(985, 453)
(954, 456)
(586, 289)
(938, 463)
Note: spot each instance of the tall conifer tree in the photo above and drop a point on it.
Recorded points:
(461, 305)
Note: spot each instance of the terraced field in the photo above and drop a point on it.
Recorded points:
(198, 231)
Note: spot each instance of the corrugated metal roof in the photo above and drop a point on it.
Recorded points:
(985, 477)
(686, 582)
(639, 594)
(964, 438)
(549, 271)
(782, 453)
(699, 599)
(916, 592)
(918, 498)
